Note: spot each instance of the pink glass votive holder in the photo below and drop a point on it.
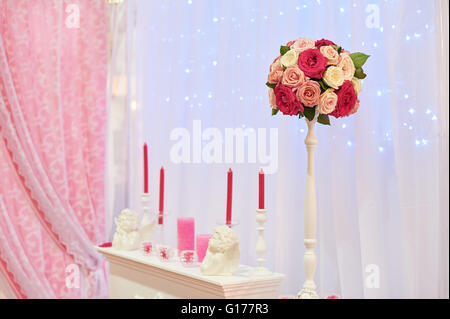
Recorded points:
(147, 248)
(165, 253)
(188, 258)
(186, 234)
(202, 245)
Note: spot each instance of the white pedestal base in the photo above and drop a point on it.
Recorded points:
(310, 216)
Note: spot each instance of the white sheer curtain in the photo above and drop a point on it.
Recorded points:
(382, 175)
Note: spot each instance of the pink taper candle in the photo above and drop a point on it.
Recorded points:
(229, 195)
(186, 234)
(202, 245)
(261, 189)
(161, 195)
(145, 168)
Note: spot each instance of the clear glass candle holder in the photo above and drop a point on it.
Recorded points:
(159, 236)
(189, 258)
(165, 252)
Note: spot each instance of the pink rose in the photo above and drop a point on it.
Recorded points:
(286, 101)
(293, 76)
(320, 43)
(302, 44)
(275, 77)
(272, 99)
(276, 65)
(309, 93)
(330, 54)
(346, 100)
(290, 43)
(312, 63)
(327, 102)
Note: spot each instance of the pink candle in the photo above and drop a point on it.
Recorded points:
(161, 195)
(145, 168)
(186, 234)
(261, 189)
(229, 195)
(202, 245)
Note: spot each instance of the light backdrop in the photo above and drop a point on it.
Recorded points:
(382, 175)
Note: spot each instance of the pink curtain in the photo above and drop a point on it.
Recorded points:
(53, 68)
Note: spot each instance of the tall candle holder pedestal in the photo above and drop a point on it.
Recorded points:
(261, 247)
(148, 224)
(310, 216)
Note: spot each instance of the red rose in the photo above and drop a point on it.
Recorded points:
(321, 43)
(346, 100)
(286, 100)
(312, 63)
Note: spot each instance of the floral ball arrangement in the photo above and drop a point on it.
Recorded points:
(315, 75)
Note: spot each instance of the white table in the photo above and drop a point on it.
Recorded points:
(134, 275)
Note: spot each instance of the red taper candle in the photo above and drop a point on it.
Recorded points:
(161, 195)
(145, 168)
(229, 195)
(261, 189)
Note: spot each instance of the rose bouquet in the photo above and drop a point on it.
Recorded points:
(312, 77)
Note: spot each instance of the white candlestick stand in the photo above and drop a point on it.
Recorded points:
(261, 247)
(147, 227)
(310, 216)
(145, 202)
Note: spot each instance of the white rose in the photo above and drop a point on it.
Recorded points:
(347, 66)
(357, 85)
(333, 77)
(289, 58)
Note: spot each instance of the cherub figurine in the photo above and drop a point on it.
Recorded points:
(222, 256)
(127, 231)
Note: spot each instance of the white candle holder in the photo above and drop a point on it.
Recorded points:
(310, 216)
(145, 202)
(148, 223)
(261, 247)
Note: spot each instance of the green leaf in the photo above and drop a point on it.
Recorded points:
(272, 86)
(284, 49)
(337, 48)
(359, 73)
(300, 115)
(359, 59)
(323, 119)
(323, 85)
(274, 111)
(284, 68)
(309, 112)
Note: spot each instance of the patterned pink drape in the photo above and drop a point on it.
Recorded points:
(53, 68)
